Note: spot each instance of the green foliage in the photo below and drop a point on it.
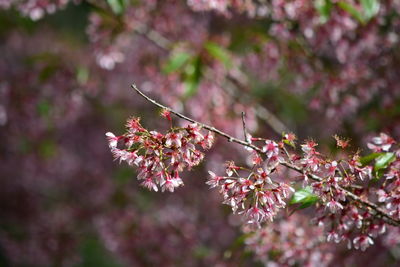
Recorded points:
(189, 67)
(43, 108)
(219, 53)
(289, 143)
(117, 6)
(368, 158)
(323, 8)
(82, 74)
(352, 10)
(176, 62)
(304, 197)
(383, 161)
(370, 9)
(192, 77)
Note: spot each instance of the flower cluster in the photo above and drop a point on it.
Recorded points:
(291, 241)
(336, 184)
(342, 219)
(160, 158)
(341, 216)
(347, 63)
(389, 191)
(380, 143)
(253, 191)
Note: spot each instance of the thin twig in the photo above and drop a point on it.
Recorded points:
(246, 135)
(368, 205)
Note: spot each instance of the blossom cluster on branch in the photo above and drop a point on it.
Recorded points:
(346, 204)
(160, 158)
(213, 59)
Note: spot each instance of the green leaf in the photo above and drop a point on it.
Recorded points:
(351, 10)
(43, 108)
(289, 143)
(323, 8)
(190, 87)
(370, 8)
(219, 53)
(192, 77)
(176, 62)
(82, 74)
(117, 6)
(304, 197)
(384, 160)
(368, 158)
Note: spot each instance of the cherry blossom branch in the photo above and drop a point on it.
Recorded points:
(365, 203)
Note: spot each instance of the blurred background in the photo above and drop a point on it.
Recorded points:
(315, 69)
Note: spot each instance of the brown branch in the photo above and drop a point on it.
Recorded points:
(244, 127)
(365, 203)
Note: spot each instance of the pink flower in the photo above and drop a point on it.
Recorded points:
(208, 141)
(266, 197)
(382, 195)
(263, 176)
(230, 168)
(309, 147)
(170, 183)
(149, 184)
(394, 171)
(255, 215)
(194, 132)
(131, 157)
(213, 181)
(383, 142)
(272, 162)
(333, 236)
(256, 158)
(166, 114)
(311, 163)
(133, 125)
(362, 242)
(376, 229)
(119, 154)
(173, 140)
(365, 172)
(331, 168)
(156, 135)
(285, 189)
(112, 140)
(270, 148)
(334, 206)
